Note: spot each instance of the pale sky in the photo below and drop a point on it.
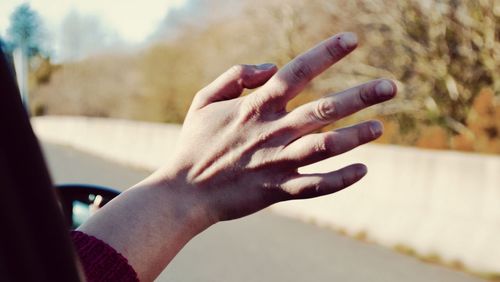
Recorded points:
(132, 20)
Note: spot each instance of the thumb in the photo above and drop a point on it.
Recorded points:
(231, 83)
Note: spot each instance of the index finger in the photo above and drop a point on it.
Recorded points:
(295, 75)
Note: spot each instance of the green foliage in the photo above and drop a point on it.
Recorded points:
(24, 30)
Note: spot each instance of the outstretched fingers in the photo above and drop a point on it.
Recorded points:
(303, 186)
(316, 114)
(231, 83)
(313, 148)
(295, 75)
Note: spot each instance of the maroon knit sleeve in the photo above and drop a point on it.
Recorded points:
(100, 261)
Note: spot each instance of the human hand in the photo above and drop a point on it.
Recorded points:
(240, 154)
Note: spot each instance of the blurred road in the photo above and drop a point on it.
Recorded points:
(262, 247)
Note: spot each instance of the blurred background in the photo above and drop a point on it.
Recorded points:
(145, 60)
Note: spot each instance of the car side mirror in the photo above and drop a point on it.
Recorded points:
(80, 201)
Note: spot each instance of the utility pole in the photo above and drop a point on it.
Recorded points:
(24, 33)
(21, 65)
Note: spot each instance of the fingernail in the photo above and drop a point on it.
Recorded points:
(384, 89)
(361, 171)
(348, 40)
(266, 66)
(376, 129)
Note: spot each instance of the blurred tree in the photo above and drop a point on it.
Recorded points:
(172, 76)
(24, 33)
(443, 54)
(84, 35)
(25, 30)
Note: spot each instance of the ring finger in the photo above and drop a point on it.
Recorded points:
(313, 148)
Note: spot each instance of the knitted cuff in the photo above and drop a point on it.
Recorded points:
(100, 261)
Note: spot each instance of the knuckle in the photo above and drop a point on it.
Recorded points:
(241, 74)
(334, 52)
(271, 141)
(345, 179)
(264, 137)
(318, 187)
(301, 70)
(324, 111)
(250, 109)
(201, 95)
(272, 185)
(366, 95)
(358, 138)
(364, 134)
(320, 147)
(237, 70)
(313, 189)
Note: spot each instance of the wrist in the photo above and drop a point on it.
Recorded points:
(173, 196)
(149, 223)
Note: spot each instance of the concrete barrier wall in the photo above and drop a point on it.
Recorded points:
(140, 144)
(435, 202)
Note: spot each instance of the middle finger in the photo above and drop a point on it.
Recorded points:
(316, 114)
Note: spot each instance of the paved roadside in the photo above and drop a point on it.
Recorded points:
(261, 247)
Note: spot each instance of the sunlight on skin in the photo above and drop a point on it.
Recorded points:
(240, 154)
